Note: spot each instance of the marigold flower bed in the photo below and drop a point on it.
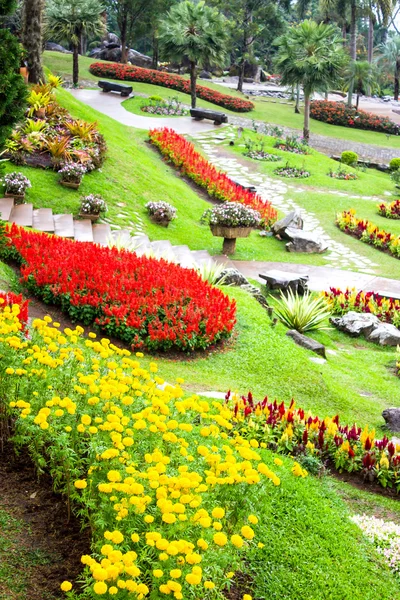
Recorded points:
(291, 430)
(369, 233)
(145, 302)
(168, 80)
(182, 154)
(172, 497)
(337, 113)
(343, 301)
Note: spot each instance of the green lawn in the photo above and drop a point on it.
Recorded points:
(265, 110)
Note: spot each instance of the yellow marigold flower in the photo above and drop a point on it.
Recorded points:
(92, 335)
(117, 537)
(252, 519)
(193, 579)
(66, 586)
(163, 556)
(158, 573)
(237, 540)
(247, 532)
(100, 588)
(169, 518)
(260, 545)
(148, 519)
(202, 544)
(230, 574)
(220, 539)
(114, 476)
(247, 597)
(209, 585)
(134, 537)
(164, 589)
(86, 420)
(80, 484)
(175, 573)
(218, 513)
(278, 462)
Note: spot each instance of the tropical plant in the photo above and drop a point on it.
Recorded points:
(72, 19)
(38, 100)
(310, 54)
(35, 126)
(54, 81)
(212, 272)
(194, 32)
(390, 56)
(81, 129)
(303, 313)
(360, 76)
(59, 148)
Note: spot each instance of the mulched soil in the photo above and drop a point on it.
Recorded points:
(32, 501)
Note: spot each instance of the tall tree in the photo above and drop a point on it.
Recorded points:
(390, 57)
(360, 75)
(310, 54)
(13, 90)
(32, 37)
(194, 32)
(127, 14)
(71, 20)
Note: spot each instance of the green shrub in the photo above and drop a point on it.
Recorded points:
(302, 313)
(156, 99)
(394, 164)
(395, 176)
(349, 157)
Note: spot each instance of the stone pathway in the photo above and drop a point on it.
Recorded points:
(338, 256)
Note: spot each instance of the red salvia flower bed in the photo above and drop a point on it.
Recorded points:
(146, 302)
(218, 185)
(168, 80)
(337, 113)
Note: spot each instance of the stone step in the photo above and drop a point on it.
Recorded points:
(101, 233)
(83, 230)
(6, 206)
(201, 257)
(22, 214)
(162, 248)
(140, 240)
(43, 219)
(64, 225)
(123, 236)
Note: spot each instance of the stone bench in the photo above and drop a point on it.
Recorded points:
(108, 86)
(203, 113)
(284, 280)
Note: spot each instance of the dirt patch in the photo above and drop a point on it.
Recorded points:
(54, 545)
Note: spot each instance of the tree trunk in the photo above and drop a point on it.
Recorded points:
(370, 38)
(75, 65)
(123, 31)
(32, 38)
(296, 108)
(396, 80)
(357, 100)
(193, 76)
(154, 62)
(353, 31)
(241, 75)
(306, 127)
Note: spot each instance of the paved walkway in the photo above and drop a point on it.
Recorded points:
(111, 105)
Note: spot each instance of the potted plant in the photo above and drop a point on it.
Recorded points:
(161, 213)
(71, 174)
(92, 206)
(230, 221)
(16, 184)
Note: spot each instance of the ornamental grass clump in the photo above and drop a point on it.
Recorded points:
(16, 183)
(231, 214)
(303, 313)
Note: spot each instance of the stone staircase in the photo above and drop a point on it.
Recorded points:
(83, 230)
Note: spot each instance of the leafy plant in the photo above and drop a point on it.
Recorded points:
(348, 157)
(54, 81)
(394, 164)
(59, 148)
(211, 271)
(34, 126)
(81, 129)
(37, 101)
(303, 313)
(395, 176)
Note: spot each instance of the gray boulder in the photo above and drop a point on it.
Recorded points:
(112, 52)
(205, 75)
(56, 48)
(292, 220)
(232, 277)
(355, 323)
(138, 59)
(306, 342)
(385, 334)
(304, 241)
(392, 418)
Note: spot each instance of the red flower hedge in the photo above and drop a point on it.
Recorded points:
(175, 82)
(9, 299)
(218, 185)
(337, 113)
(145, 302)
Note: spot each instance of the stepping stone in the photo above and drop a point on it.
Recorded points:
(22, 214)
(201, 256)
(101, 233)
(83, 231)
(162, 247)
(64, 225)
(43, 219)
(6, 206)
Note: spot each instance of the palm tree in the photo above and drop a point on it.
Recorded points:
(32, 37)
(72, 19)
(194, 32)
(310, 54)
(390, 55)
(360, 75)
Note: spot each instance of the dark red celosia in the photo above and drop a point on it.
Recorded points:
(145, 302)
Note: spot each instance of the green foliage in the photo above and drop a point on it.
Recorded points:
(349, 157)
(13, 90)
(394, 164)
(395, 176)
(303, 313)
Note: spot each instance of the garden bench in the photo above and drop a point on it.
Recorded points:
(247, 188)
(203, 113)
(389, 295)
(108, 86)
(284, 280)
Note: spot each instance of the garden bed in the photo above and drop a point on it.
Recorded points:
(368, 233)
(337, 113)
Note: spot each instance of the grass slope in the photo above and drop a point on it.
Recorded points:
(265, 110)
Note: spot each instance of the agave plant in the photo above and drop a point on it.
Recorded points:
(303, 313)
(211, 271)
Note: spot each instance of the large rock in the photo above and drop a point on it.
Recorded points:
(205, 75)
(232, 277)
(306, 342)
(56, 48)
(113, 52)
(292, 220)
(138, 59)
(254, 291)
(392, 418)
(385, 335)
(284, 280)
(355, 323)
(304, 241)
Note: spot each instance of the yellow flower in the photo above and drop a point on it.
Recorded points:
(209, 585)
(278, 462)
(218, 513)
(175, 573)
(158, 573)
(247, 532)
(247, 597)
(193, 579)
(253, 519)
(66, 586)
(100, 588)
(80, 484)
(148, 519)
(237, 540)
(220, 539)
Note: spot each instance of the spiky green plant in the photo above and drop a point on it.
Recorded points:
(303, 313)
(211, 271)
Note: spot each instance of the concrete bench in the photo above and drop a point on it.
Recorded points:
(284, 280)
(108, 86)
(213, 115)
